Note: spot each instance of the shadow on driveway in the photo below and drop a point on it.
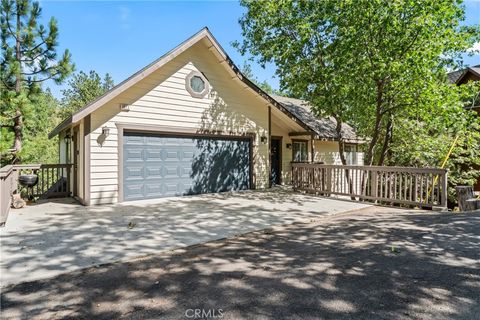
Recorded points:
(47, 239)
(377, 263)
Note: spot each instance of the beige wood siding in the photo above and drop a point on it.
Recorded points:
(162, 100)
(327, 152)
(81, 157)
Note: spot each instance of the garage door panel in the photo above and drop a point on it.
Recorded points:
(134, 140)
(134, 173)
(153, 154)
(160, 166)
(134, 154)
(134, 191)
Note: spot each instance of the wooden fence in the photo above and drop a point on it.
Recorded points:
(422, 187)
(53, 182)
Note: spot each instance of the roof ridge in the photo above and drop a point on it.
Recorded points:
(158, 63)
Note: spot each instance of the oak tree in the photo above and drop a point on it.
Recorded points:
(365, 62)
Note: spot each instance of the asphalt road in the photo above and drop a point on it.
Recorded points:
(377, 263)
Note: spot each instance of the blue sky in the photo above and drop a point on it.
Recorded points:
(120, 37)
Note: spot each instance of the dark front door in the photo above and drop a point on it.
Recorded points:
(156, 165)
(275, 160)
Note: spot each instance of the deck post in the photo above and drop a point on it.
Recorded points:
(374, 183)
(444, 188)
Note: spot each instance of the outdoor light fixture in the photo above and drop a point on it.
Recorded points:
(263, 139)
(289, 146)
(102, 137)
(105, 131)
(67, 138)
(124, 107)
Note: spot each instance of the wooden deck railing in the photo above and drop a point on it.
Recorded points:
(53, 179)
(8, 185)
(423, 187)
(53, 182)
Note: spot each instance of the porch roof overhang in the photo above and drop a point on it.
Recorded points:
(322, 128)
(315, 136)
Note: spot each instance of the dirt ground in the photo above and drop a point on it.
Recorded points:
(375, 263)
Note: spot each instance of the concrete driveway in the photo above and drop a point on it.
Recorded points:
(47, 239)
(375, 263)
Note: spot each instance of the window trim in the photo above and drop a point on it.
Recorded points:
(293, 150)
(188, 86)
(354, 153)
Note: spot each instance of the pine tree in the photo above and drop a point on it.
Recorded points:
(28, 58)
(82, 89)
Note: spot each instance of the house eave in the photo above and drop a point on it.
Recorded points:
(152, 67)
(63, 125)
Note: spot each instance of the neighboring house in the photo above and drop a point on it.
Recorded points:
(463, 76)
(190, 123)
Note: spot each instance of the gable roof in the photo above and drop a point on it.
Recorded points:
(320, 127)
(324, 128)
(155, 65)
(457, 75)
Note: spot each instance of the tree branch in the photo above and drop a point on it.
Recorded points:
(37, 72)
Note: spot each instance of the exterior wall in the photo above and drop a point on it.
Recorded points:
(324, 151)
(286, 153)
(327, 152)
(80, 166)
(161, 100)
(71, 154)
(62, 148)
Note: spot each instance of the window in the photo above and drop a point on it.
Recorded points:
(351, 154)
(300, 151)
(196, 84)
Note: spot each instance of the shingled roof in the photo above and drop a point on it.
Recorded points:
(324, 127)
(454, 76)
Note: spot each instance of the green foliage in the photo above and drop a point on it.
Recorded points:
(83, 89)
(423, 139)
(28, 58)
(361, 61)
(38, 124)
(379, 65)
(40, 118)
(35, 59)
(265, 86)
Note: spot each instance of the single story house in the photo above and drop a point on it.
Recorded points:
(190, 123)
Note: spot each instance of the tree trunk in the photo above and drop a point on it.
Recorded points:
(17, 142)
(18, 52)
(341, 143)
(17, 120)
(341, 150)
(377, 127)
(386, 141)
(465, 198)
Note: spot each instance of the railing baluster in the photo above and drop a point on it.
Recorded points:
(408, 186)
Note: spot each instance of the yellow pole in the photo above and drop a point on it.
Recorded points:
(450, 151)
(443, 165)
